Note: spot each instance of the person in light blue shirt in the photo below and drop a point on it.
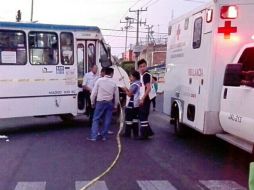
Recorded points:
(88, 84)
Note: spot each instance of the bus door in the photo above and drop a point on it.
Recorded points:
(86, 57)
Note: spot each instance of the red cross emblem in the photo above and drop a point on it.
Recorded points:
(178, 32)
(227, 29)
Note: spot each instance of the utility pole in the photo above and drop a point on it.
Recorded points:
(149, 32)
(139, 23)
(159, 37)
(127, 26)
(32, 10)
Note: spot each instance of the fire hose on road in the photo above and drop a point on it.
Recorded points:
(119, 145)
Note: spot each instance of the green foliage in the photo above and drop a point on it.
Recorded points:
(128, 66)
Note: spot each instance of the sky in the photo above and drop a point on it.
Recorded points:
(105, 14)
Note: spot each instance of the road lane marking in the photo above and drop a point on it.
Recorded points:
(99, 185)
(222, 185)
(156, 185)
(31, 186)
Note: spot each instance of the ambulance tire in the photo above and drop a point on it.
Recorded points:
(179, 128)
(67, 118)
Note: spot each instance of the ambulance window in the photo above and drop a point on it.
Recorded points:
(191, 109)
(186, 24)
(197, 33)
(12, 47)
(66, 39)
(247, 59)
(43, 48)
(169, 30)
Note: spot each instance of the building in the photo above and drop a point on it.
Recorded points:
(155, 54)
(128, 56)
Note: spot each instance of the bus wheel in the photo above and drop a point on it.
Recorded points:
(179, 128)
(67, 117)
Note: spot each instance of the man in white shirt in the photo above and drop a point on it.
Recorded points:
(104, 97)
(88, 84)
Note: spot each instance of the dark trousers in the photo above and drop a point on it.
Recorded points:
(89, 109)
(131, 122)
(145, 129)
(154, 102)
(103, 110)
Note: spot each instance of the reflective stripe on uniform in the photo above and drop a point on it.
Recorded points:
(128, 122)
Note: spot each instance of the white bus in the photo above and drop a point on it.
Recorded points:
(210, 64)
(42, 67)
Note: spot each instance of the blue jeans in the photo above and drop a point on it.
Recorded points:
(103, 109)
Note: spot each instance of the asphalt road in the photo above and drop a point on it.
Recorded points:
(45, 153)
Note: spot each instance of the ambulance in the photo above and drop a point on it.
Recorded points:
(209, 83)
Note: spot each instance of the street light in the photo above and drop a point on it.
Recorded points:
(127, 26)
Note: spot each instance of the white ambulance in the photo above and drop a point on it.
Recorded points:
(210, 71)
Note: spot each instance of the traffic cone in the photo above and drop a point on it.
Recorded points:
(251, 177)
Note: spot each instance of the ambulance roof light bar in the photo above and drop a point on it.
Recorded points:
(229, 12)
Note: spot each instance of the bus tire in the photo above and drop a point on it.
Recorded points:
(67, 117)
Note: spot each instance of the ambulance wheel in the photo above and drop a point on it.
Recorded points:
(67, 117)
(179, 128)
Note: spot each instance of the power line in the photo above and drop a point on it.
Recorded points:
(147, 3)
(196, 1)
(119, 36)
(135, 4)
(153, 3)
(133, 31)
(128, 11)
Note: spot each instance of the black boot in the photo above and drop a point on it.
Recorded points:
(135, 129)
(127, 132)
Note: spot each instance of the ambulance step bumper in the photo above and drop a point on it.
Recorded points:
(240, 143)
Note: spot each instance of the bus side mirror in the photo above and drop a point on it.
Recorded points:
(232, 75)
(105, 61)
(109, 52)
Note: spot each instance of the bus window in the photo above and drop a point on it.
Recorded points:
(81, 65)
(43, 48)
(197, 33)
(66, 41)
(91, 54)
(12, 48)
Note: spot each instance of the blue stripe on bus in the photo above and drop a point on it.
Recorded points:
(48, 26)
